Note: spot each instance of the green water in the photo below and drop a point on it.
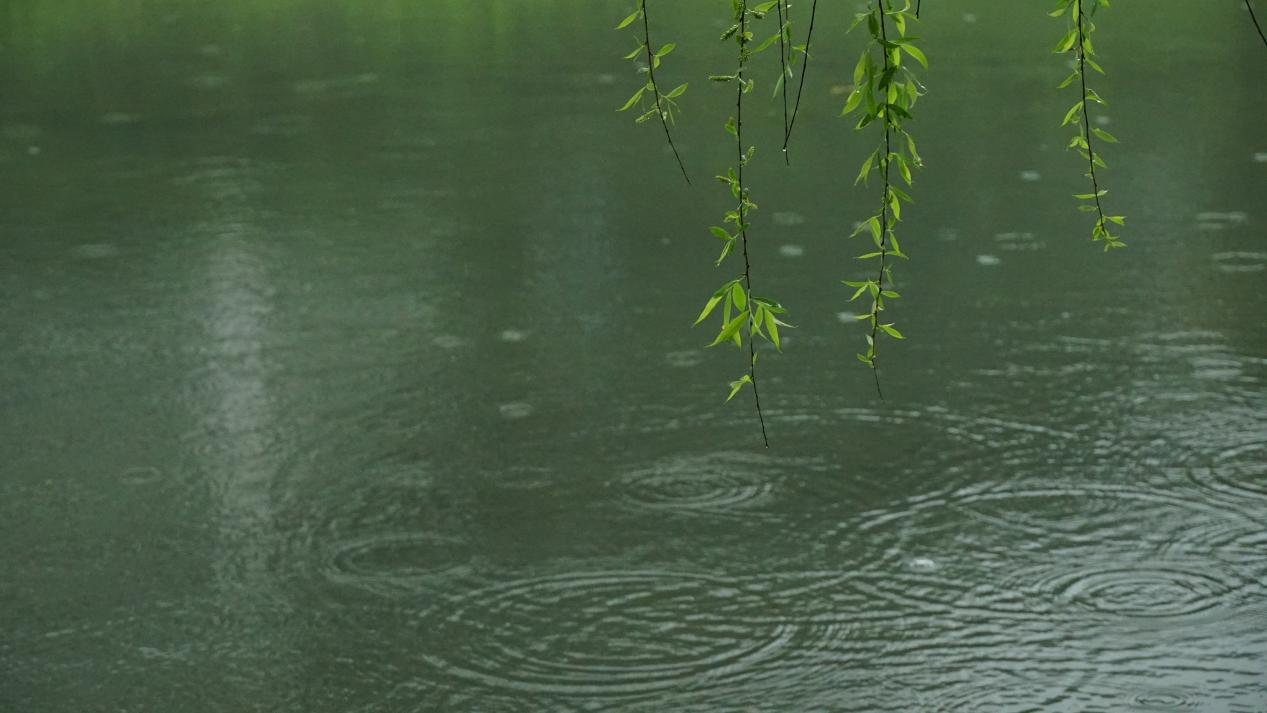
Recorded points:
(345, 366)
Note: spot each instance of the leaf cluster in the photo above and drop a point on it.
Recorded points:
(743, 313)
(885, 90)
(1077, 40)
(649, 100)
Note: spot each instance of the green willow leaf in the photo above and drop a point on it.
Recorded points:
(1104, 135)
(708, 308)
(917, 53)
(633, 99)
(736, 385)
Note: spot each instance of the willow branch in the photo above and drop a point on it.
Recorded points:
(1086, 117)
(743, 224)
(884, 217)
(783, 59)
(655, 89)
(809, 36)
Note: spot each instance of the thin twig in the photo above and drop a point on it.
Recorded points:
(918, 4)
(655, 89)
(809, 36)
(743, 229)
(783, 59)
(1254, 17)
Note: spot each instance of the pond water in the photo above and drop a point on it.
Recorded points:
(346, 366)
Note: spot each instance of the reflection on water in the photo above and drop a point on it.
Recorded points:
(235, 438)
(347, 367)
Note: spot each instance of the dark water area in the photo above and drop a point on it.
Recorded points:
(345, 365)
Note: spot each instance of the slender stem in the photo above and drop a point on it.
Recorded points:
(1254, 17)
(884, 218)
(918, 4)
(743, 225)
(783, 59)
(655, 89)
(809, 36)
(1086, 117)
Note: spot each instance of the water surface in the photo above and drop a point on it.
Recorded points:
(346, 367)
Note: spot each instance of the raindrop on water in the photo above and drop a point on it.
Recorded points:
(922, 564)
(515, 410)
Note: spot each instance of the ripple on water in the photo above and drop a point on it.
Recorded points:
(208, 81)
(1017, 551)
(684, 358)
(712, 484)
(1217, 220)
(1240, 261)
(1089, 684)
(118, 118)
(283, 125)
(1164, 698)
(1121, 591)
(1018, 241)
(334, 85)
(603, 634)
(140, 476)
(96, 251)
(1168, 346)
(1221, 450)
(515, 410)
(1238, 470)
(965, 442)
(395, 563)
(1021, 685)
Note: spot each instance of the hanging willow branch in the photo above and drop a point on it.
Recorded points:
(1078, 40)
(886, 91)
(663, 105)
(785, 71)
(804, 49)
(759, 315)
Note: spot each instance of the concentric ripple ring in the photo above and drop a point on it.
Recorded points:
(615, 634)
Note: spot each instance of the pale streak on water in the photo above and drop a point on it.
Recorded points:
(346, 367)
